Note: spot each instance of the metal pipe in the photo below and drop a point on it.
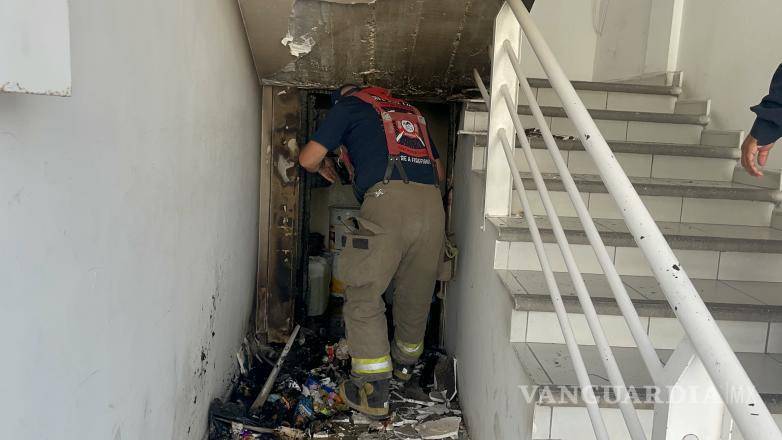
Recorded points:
(729, 377)
(587, 306)
(556, 298)
(267, 387)
(637, 329)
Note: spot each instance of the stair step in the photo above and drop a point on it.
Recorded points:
(701, 189)
(727, 300)
(687, 236)
(671, 200)
(554, 361)
(611, 115)
(560, 396)
(690, 162)
(615, 125)
(650, 148)
(540, 83)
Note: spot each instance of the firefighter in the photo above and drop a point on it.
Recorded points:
(398, 235)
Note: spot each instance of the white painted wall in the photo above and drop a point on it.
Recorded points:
(128, 226)
(622, 39)
(34, 47)
(478, 309)
(728, 52)
(567, 27)
(597, 40)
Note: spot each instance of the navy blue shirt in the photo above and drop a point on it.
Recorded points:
(768, 125)
(356, 125)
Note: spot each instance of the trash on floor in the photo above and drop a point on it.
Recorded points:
(447, 427)
(290, 393)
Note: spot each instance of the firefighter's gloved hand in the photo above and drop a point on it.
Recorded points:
(328, 170)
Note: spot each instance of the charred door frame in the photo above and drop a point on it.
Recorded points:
(279, 279)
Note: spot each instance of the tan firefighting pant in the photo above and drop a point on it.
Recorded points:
(401, 239)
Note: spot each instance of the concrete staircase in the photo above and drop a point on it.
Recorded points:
(724, 226)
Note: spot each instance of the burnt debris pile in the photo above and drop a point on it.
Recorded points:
(301, 399)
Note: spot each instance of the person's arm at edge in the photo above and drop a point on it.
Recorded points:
(766, 130)
(328, 137)
(439, 167)
(438, 164)
(313, 159)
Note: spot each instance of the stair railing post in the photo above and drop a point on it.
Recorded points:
(688, 406)
(587, 307)
(590, 400)
(637, 328)
(498, 177)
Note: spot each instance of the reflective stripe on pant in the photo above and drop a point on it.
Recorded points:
(379, 365)
(406, 353)
(401, 239)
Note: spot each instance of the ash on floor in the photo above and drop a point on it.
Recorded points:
(304, 403)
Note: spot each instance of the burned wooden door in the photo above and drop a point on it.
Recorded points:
(278, 285)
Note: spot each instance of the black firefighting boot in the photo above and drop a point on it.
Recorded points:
(367, 397)
(403, 373)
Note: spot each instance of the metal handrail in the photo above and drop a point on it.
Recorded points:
(625, 304)
(747, 408)
(587, 306)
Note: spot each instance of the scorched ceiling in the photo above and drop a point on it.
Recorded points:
(422, 47)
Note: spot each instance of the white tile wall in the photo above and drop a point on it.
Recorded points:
(528, 121)
(693, 107)
(541, 424)
(611, 130)
(743, 266)
(630, 261)
(468, 121)
(665, 333)
(696, 168)
(663, 133)
(775, 338)
(542, 158)
(726, 212)
(523, 257)
(720, 138)
(523, 96)
(698, 264)
(501, 252)
(663, 208)
(561, 200)
(572, 423)
(771, 178)
(592, 99)
(479, 158)
(766, 293)
(737, 434)
(634, 165)
(745, 337)
(636, 102)
(543, 327)
(518, 326)
(481, 121)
